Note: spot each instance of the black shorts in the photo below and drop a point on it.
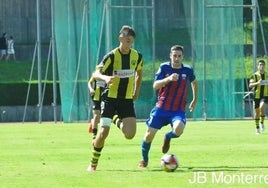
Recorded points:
(258, 101)
(96, 105)
(122, 107)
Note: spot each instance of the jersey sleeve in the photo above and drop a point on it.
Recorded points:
(160, 74)
(106, 64)
(253, 77)
(140, 62)
(191, 75)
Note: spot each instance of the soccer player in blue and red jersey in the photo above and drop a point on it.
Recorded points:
(171, 82)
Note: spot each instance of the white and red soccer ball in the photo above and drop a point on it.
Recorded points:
(169, 162)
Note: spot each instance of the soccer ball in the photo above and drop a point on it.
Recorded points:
(169, 162)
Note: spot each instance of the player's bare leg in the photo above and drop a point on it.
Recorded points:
(127, 125)
(262, 115)
(95, 121)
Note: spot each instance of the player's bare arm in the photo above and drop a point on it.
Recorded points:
(90, 87)
(194, 86)
(161, 83)
(137, 84)
(253, 84)
(99, 76)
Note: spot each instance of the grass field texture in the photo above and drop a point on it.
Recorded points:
(218, 153)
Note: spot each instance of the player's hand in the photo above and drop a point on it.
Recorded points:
(174, 77)
(92, 92)
(192, 105)
(109, 79)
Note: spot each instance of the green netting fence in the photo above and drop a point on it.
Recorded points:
(85, 30)
(219, 58)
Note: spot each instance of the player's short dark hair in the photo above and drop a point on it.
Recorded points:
(127, 31)
(177, 47)
(261, 61)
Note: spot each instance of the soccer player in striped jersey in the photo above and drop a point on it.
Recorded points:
(171, 81)
(95, 88)
(121, 69)
(259, 81)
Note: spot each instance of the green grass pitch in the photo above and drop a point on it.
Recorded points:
(211, 154)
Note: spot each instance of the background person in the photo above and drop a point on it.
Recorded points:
(3, 46)
(259, 81)
(95, 89)
(10, 49)
(171, 80)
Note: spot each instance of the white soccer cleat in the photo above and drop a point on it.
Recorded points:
(91, 168)
(258, 131)
(262, 127)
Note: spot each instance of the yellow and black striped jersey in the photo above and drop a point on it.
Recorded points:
(260, 90)
(123, 67)
(97, 86)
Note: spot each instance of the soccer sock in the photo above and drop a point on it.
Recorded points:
(94, 131)
(257, 122)
(262, 118)
(170, 135)
(96, 153)
(145, 147)
(117, 121)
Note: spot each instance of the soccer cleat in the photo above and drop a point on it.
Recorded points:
(262, 127)
(91, 168)
(143, 164)
(90, 128)
(166, 145)
(258, 131)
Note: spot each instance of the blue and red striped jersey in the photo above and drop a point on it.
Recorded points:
(172, 97)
